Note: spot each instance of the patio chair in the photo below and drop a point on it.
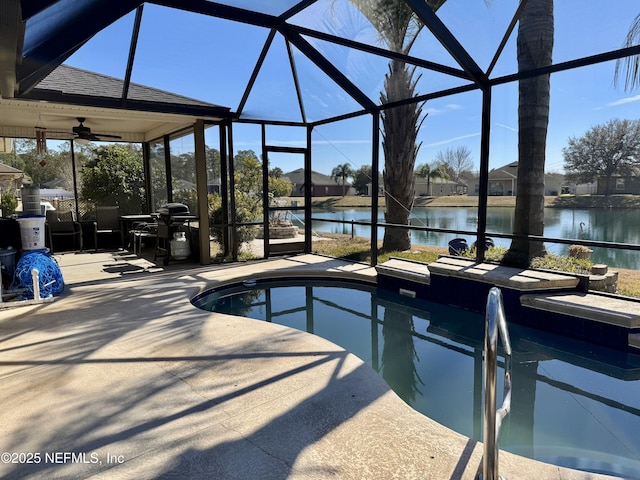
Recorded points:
(62, 224)
(141, 232)
(108, 223)
(458, 246)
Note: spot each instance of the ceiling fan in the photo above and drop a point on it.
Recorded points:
(83, 134)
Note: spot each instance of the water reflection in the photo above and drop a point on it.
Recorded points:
(621, 226)
(573, 404)
(399, 356)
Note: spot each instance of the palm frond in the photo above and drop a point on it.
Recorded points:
(631, 64)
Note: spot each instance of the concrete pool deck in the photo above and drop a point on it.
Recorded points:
(120, 377)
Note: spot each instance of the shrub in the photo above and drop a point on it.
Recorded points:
(579, 251)
(563, 264)
(492, 254)
(8, 202)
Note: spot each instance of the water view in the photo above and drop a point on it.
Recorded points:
(619, 225)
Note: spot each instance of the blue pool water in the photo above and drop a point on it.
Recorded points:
(573, 404)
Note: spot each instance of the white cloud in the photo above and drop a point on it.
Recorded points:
(450, 107)
(451, 140)
(622, 101)
(341, 142)
(507, 127)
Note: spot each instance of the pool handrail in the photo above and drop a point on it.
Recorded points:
(495, 322)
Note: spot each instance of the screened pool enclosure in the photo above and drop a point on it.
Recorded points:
(383, 86)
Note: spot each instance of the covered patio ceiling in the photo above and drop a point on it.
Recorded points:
(20, 118)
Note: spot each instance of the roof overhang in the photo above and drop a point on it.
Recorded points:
(19, 118)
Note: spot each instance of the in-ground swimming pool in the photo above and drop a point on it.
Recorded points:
(573, 404)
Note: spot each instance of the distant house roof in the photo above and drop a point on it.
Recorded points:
(510, 172)
(56, 183)
(55, 193)
(184, 185)
(507, 172)
(297, 177)
(9, 171)
(436, 181)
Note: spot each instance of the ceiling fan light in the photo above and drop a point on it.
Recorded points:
(82, 141)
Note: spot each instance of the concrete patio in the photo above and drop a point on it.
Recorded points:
(121, 377)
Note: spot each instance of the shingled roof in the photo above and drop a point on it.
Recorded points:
(297, 177)
(506, 172)
(68, 81)
(7, 170)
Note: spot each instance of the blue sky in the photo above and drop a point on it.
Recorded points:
(212, 59)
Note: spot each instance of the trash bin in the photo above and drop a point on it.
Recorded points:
(31, 200)
(32, 232)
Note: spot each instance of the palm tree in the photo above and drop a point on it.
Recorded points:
(343, 172)
(535, 48)
(437, 170)
(398, 27)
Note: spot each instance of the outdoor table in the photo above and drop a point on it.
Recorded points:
(127, 222)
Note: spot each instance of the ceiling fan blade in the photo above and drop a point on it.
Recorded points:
(85, 133)
(105, 135)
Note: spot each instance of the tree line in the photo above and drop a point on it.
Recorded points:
(454, 163)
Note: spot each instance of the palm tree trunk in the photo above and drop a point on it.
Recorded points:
(535, 47)
(399, 354)
(400, 151)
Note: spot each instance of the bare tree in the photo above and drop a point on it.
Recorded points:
(457, 161)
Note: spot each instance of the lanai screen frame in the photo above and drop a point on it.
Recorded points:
(293, 34)
(480, 81)
(481, 232)
(486, 91)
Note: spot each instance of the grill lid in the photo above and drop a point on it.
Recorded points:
(171, 209)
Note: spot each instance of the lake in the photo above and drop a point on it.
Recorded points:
(619, 225)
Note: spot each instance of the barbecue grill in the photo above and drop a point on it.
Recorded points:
(170, 220)
(165, 212)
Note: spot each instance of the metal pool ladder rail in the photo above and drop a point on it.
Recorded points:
(494, 322)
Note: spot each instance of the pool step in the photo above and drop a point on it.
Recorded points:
(406, 277)
(406, 270)
(501, 275)
(610, 316)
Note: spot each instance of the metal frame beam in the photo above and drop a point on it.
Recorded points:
(54, 37)
(329, 68)
(346, 42)
(448, 40)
